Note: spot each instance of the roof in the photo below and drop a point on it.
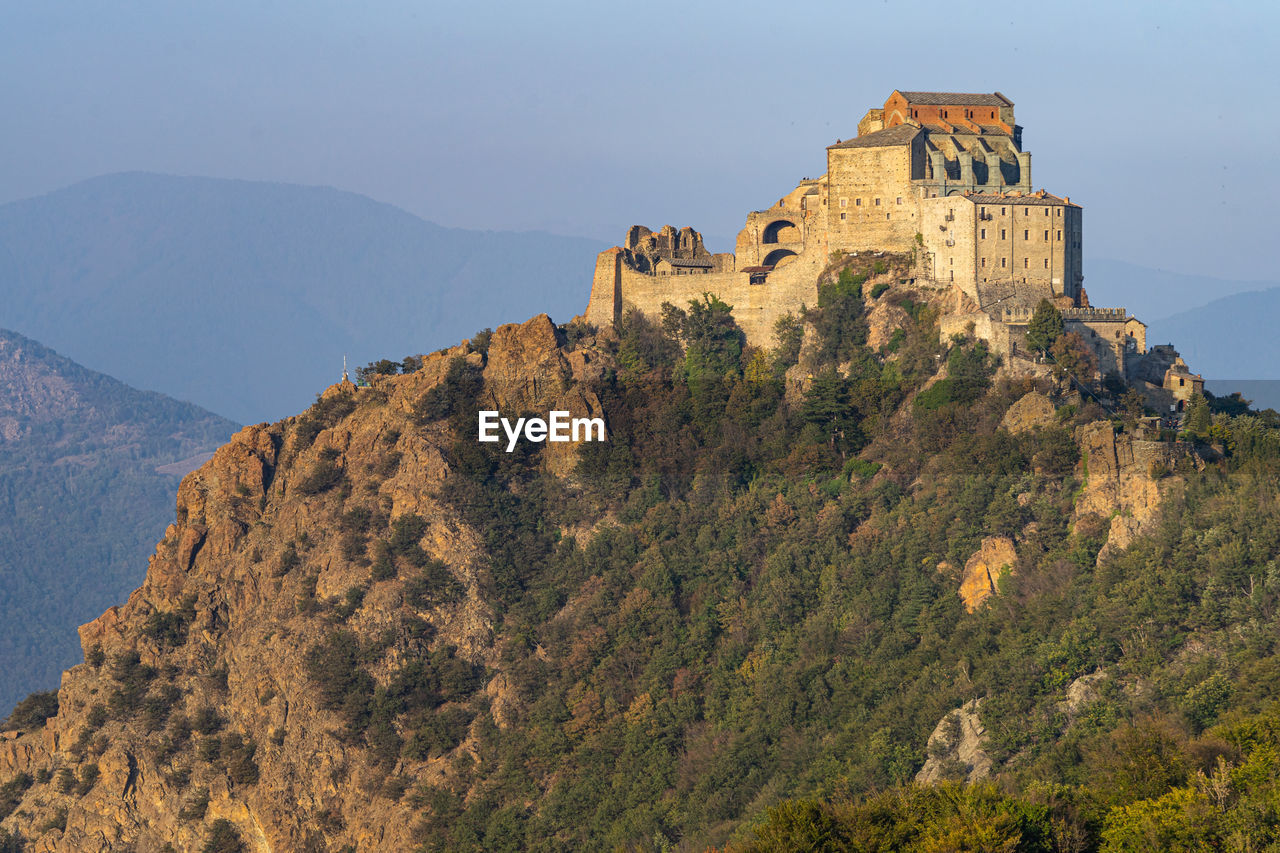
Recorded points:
(900, 134)
(683, 262)
(1030, 198)
(957, 99)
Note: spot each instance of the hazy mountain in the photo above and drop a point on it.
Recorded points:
(1263, 393)
(1234, 336)
(81, 501)
(1152, 294)
(245, 296)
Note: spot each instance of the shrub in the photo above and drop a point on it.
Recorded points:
(31, 712)
(435, 585)
(223, 837)
(11, 793)
(195, 808)
(878, 290)
(323, 476)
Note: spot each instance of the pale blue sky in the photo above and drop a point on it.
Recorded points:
(582, 118)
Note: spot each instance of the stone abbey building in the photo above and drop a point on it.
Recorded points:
(941, 176)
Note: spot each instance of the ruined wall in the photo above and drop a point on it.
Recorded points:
(756, 307)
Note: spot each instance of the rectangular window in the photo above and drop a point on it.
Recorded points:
(953, 262)
(877, 202)
(857, 202)
(1026, 262)
(1002, 262)
(1002, 211)
(984, 234)
(899, 199)
(1046, 235)
(843, 216)
(1046, 263)
(844, 202)
(1002, 233)
(1026, 234)
(1046, 211)
(1059, 233)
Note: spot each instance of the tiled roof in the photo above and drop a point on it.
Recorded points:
(957, 99)
(901, 134)
(1033, 198)
(682, 262)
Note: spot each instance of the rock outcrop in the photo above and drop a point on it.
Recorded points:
(196, 701)
(1125, 480)
(1031, 411)
(982, 571)
(956, 748)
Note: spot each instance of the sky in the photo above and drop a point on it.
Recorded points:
(582, 118)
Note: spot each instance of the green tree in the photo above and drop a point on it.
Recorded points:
(1045, 327)
(1198, 419)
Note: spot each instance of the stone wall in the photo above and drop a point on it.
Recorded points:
(870, 199)
(756, 307)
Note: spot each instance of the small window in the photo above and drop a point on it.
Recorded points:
(1046, 235)
(899, 199)
(1046, 263)
(886, 216)
(984, 234)
(844, 202)
(953, 261)
(877, 202)
(984, 262)
(1002, 262)
(1002, 234)
(1002, 211)
(1026, 262)
(1026, 234)
(857, 202)
(842, 216)
(1046, 211)
(1059, 233)
(953, 275)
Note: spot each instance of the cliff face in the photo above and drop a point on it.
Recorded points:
(195, 703)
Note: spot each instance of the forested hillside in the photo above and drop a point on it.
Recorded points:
(791, 583)
(81, 501)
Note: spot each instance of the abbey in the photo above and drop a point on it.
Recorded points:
(939, 177)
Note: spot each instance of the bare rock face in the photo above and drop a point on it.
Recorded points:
(1125, 480)
(1083, 692)
(270, 538)
(883, 320)
(956, 748)
(982, 571)
(1031, 411)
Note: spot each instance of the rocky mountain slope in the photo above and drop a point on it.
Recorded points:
(367, 631)
(81, 500)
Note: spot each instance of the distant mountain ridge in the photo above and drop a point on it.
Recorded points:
(1234, 336)
(81, 501)
(244, 296)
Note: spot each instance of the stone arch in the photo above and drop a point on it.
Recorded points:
(781, 231)
(779, 258)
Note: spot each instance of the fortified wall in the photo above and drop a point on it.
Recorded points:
(941, 176)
